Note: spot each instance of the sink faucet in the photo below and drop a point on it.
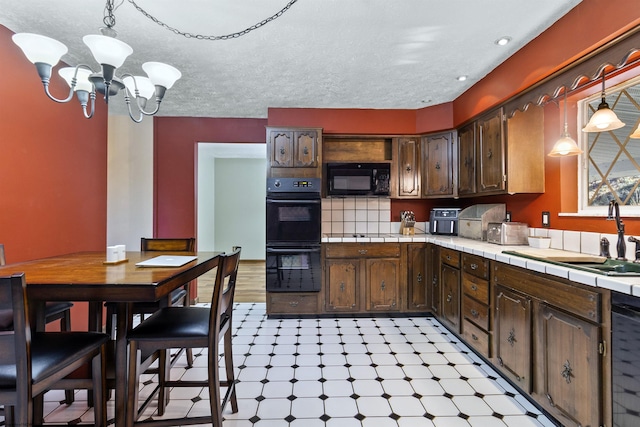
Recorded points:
(621, 246)
(637, 242)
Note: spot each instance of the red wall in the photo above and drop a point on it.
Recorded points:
(175, 149)
(53, 168)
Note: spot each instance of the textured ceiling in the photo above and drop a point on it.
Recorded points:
(378, 54)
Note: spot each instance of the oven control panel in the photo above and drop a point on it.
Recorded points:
(292, 185)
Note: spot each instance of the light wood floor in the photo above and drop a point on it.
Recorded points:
(250, 285)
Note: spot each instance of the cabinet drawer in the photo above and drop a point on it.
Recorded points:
(476, 312)
(292, 303)
(475, 265)
(477, 338)
(475, 288)
(450, 257)
(357, 250)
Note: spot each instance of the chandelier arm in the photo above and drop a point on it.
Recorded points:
(92, 97)
(214, 38)
(44, 71)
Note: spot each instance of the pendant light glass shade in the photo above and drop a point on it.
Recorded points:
(565, 146)
(604, 119)
(161, 74)
(39, 48)
(146, 89)
(636, 133)
(82, 78)
(107, 50)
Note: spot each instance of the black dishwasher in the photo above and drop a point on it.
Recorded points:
(625, 358)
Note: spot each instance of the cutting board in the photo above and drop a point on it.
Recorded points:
(559, 255)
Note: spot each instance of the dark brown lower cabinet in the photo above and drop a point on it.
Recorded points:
(569, 378)
(450, 309)
(513, 336)
(342, 285)
(417, 280)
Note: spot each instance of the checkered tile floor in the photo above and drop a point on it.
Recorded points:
(348, 372)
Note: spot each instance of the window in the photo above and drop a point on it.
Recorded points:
(611, 161)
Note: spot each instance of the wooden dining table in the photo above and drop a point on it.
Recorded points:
(86, 276)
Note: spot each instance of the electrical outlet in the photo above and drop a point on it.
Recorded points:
(546, 220)
(508, 217)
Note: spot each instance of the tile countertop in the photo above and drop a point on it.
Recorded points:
(626, 285)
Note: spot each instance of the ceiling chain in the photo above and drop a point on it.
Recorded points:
(223, 37)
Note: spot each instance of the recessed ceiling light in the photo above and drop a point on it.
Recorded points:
(461, 78)
(503, 41)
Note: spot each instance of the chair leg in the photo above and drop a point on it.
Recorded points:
(215, 396)
(189, 357)
(132, 384)
(99, 376)
(65, 326)
(164, 370)
(228, 362)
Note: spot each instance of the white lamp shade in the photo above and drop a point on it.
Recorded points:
(107, 50)
(565, 146)
(146, 89)
(604, 119)
(82, 78)
(161, 74)
(39, 48)
(636, 133)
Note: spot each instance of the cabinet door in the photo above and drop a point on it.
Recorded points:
(513, 336)
(491, 153)
(571, 386)
(467, 160)
(306, 149)
(437, 165)
(434, 296)
(408, 167)
(450, 281)
(383, 280)
(342, 282)
(281, 142)
(417, 276)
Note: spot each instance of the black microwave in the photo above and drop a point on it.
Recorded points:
(358, 179)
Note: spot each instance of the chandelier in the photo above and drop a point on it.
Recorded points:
(110, 53)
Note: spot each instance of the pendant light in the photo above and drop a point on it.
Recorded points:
(565, 146)
(604, 119)
(636, 133)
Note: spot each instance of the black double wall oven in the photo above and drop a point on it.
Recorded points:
(293, 235)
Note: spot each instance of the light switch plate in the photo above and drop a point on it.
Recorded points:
(546, 220)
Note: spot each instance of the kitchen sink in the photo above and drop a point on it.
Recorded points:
(610, 267)
(605, 266)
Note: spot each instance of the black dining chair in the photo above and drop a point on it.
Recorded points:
(53, 311)
(32, 363)
(180, 296)
(192, 327)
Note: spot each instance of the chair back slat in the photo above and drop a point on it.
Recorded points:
(3, 260)
(161, 244)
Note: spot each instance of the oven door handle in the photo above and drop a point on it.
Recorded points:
(291, 251)
(297, 201)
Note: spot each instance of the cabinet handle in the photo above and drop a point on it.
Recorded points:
(448, 258)
(475, 338)
(293, 303)
(434, 281)
(474, 288)
(408, 168)
(449, 298)
(511, 339)
(305, 150)
(490, 153)
(567, 372)
(341, 286)
(362, 251)
(382, 285)
(474, 266)
(437, 165)
(475, 314)
(550, 399)
(419, 278)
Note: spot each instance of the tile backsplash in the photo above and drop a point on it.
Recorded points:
(362, 215)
